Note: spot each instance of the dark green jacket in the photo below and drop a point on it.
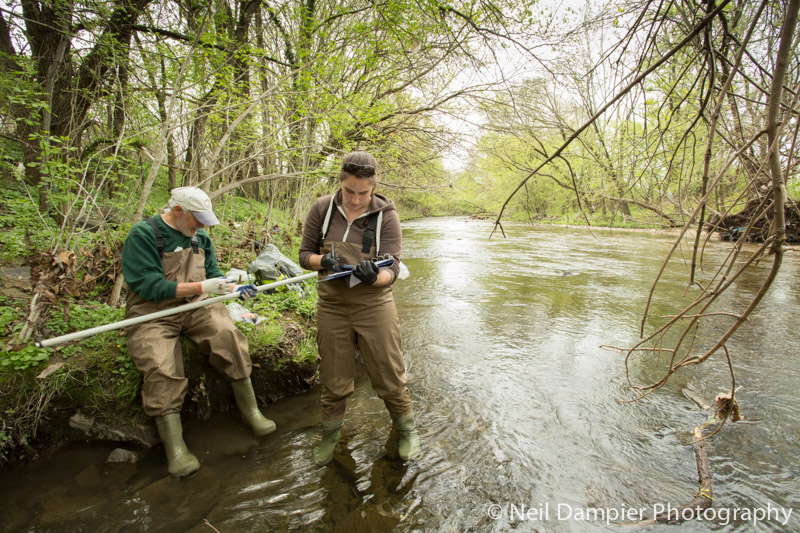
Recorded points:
(141, 262)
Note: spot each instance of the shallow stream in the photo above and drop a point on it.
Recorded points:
(518, 402)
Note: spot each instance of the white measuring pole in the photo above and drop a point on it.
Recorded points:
(166, 312)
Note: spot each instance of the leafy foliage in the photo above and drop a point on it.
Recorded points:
(25, 358)
(8, 314)
(23, 229)
(258, 105)
(301, 301)
(79, 317)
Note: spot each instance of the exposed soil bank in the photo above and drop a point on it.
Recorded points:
(65, 417)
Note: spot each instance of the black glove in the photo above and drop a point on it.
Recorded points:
(330, 262)
(366, 271)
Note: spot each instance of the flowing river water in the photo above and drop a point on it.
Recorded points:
(519, 406)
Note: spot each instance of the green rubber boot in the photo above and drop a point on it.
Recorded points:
(408, 445)
(331, 433)
(248, 406)
(180, 461)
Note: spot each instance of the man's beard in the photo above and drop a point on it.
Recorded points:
(182, 225)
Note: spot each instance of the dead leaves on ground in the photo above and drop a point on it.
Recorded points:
(67, 273)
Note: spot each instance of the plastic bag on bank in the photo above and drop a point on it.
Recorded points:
(271, 265)
(239, 276)
(240, 313)
(403, 274)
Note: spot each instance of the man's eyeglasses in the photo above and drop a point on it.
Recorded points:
(358, 170)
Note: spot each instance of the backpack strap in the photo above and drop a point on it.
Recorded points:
(378, 234)
(370, 233)
(159, 235)
(326, 222)
(160, 238)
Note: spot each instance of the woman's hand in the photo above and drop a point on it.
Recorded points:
(366, 271)
(330, 262)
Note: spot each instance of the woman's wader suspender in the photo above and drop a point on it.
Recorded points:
(369, 233)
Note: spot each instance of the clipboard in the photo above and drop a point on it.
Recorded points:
(348, 269)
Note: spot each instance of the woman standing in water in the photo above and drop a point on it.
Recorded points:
(357, 312)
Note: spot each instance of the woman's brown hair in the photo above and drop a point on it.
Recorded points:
(360, 164)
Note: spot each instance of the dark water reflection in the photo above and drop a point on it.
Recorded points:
(517, 402)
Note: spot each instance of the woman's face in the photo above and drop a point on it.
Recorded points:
(356, 193)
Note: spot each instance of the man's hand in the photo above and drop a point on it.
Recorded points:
(246, 291)
(217, 286)
(366, 271)
(330, 262)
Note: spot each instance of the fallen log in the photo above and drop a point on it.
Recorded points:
(703, 498)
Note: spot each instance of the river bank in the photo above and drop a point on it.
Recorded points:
(88, 390)
(689, 234)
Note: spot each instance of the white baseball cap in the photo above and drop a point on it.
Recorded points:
(196, 201)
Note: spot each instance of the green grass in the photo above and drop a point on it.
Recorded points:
(266, 335)
(307, 352)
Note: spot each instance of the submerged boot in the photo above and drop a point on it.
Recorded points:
(246, 402)
(331, 433)
(180, 461)
(408, 445)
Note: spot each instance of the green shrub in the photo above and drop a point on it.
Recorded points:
(23, 230)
